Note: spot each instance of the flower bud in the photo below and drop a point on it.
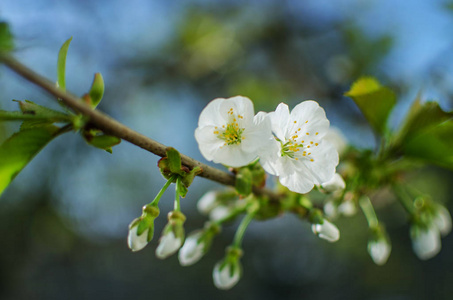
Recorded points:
(379, 246)
(141, 230)
(172, 236)
(207, 202)
(228, 271)
(425, 241)
(327, 231)
(442, 219)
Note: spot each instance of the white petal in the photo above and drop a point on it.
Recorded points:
(223, 279)
(211, 114)
(270, 156)
(280, 120)
(137, 242)
(208, 142)
(168, 245)
(330, 210)
(207, 202)
(191, 251)
(426, 244)
(334, 184)
(443, 220)
(327, 231)
(310, 117)
(337, 139)
(379, 251)
(233, 156)
(325, 161)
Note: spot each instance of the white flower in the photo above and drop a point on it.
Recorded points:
(137, 242)
(226, 274)
(168, 244)
(327, 231)
(229, 133)
(330, 209)
(299, 155)
(379, 250)
(220, 212)
(334, 184)
(193, 250)
(207, 202)
(442, 220)
(425, 242)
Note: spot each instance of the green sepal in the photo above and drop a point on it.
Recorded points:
(61, 65)
(243, 183)
(189, 177)
(375, 101)
(181, 189)
(97, 90)
(258, 175)
(6, 38)
(267, 209)
(316, 216)
(18, 150)
(101, 141)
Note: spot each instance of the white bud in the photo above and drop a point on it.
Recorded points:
(334, 184)
(330, 210)
(137, 242)
(224, 278)
(192, 251)
(207, 202)
(347, 208)
(220, 212)
(327, 231)
(426, 243)
(379, 250)
(442, 219)
(168, 244)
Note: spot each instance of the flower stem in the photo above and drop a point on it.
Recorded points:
(177, 195)
(368, 211)
(241, 229)
(405, 199)
(162, 191)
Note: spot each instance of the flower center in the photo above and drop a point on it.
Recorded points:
(231, 133)
(296, 148)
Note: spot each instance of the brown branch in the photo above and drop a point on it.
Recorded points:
(112, 127)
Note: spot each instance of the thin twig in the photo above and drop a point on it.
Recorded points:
(112, 127)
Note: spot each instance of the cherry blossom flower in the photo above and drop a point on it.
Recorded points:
(229, 133)
(326, 231)
(228, 271)
(379, 250)
(299, 155)
(193, 249)
(137, 242)
(425, 241)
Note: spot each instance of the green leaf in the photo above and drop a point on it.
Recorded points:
(420, 117)
(34, 112)
(432, 145)
(174, 161)
(97, 90)
(61, 64)
(105, 142)
(6, 38)
(244, 181)
(17, 151)
(375, 101)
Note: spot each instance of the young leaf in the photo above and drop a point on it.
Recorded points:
(17, 151)
(6, 38)
(174, 161)
(105, 142)
(374, 100)
(61, 64)
(181, 188)
(97, 90)
(38, 112)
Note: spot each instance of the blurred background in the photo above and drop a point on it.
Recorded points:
(64, 220)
